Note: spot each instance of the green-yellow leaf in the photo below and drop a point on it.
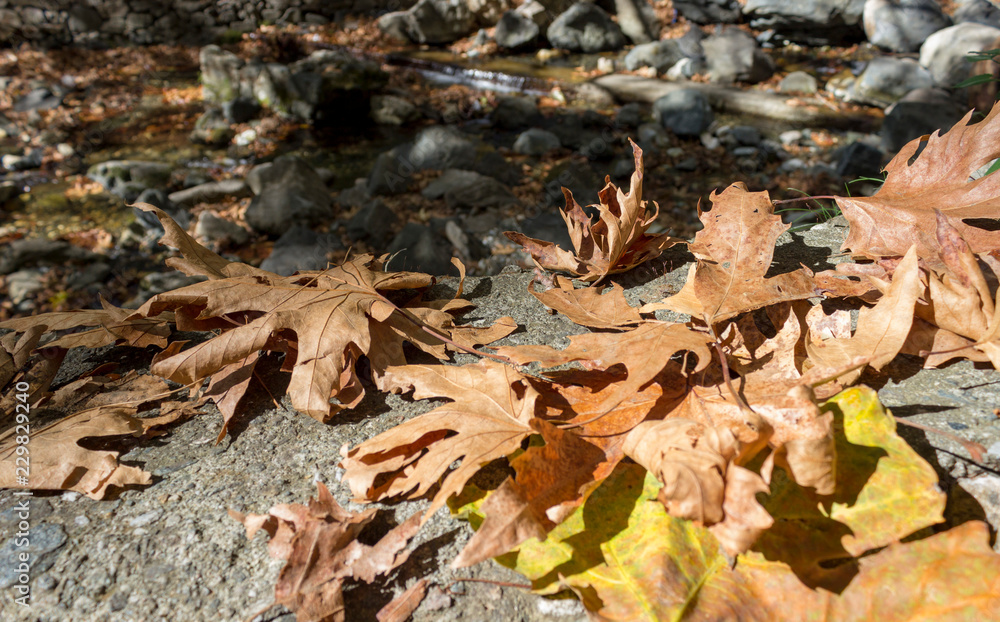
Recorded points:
(884, 492)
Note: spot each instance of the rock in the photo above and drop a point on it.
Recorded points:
(685, 112)
(586, 28)
(549, 226)
(813, 22)
(733, 136)
(709, 11)
(902, 25)
(436, 148)
(44, 540)
(516, 31)
(637, 20)
(536, 142)
(372, 222)
(652, 136)
(630, 115)
(38, 99)
(158, 198)
(288, 191)
(593, 96)
(392, 110)
(487, 12)
(798, 82)
(212, 129)
(943, 53)
(660, 55)
(859, 159)
(582, 181)
(210, 192)
(419, 248)
(514, 113)
(159, 282)
(469, 190)
(733, 56)
(220, 231)
(887, 79)
(300, 248)
(23, 284)
(95, 274)
(32, 158)
(978, 11)
(355, 196)
(30, 252)
(128, 178)
(430, 22)
(240, 110)
(220, 74)
(920, 112)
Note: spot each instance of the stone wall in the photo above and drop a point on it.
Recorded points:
(117, 22)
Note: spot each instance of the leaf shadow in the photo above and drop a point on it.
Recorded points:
(624, 487)
(804, 535)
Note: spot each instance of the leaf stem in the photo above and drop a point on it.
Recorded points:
(975, 450)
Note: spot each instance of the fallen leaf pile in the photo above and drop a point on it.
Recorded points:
(718, 468)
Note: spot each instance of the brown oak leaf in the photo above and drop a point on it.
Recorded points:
(734, 252)
(901, 213)
(489, 415)
(319, 542)
(615, 243)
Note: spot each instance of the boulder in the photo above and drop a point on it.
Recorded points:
(436, 148)
(943, 53)
(978, 11)
(393, 110)
(859, 159)
(430, 22)
(220, 74)
(300, 248)
(419, 248)
(637, 20)
(709, 11)
(887, 79)
(798, 82)
(468, 190)
(920, 112)
(813, 22)
(513, 113)
(516, 31)
(128, 178)
(287, 191)
(372, 222)
(660, 55)
(733, 56)
(536, 142)
(685, 112)
(217, 230)
(902, 25)
(585, 27)
(212, 129)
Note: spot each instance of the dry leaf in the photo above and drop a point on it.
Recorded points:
(589, 306)
(616, 243)
(734, 252)
(487, 419)
(881, 330)
(319, 542)
(901, 213)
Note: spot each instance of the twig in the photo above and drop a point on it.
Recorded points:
(975, 450)
(523, 586)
